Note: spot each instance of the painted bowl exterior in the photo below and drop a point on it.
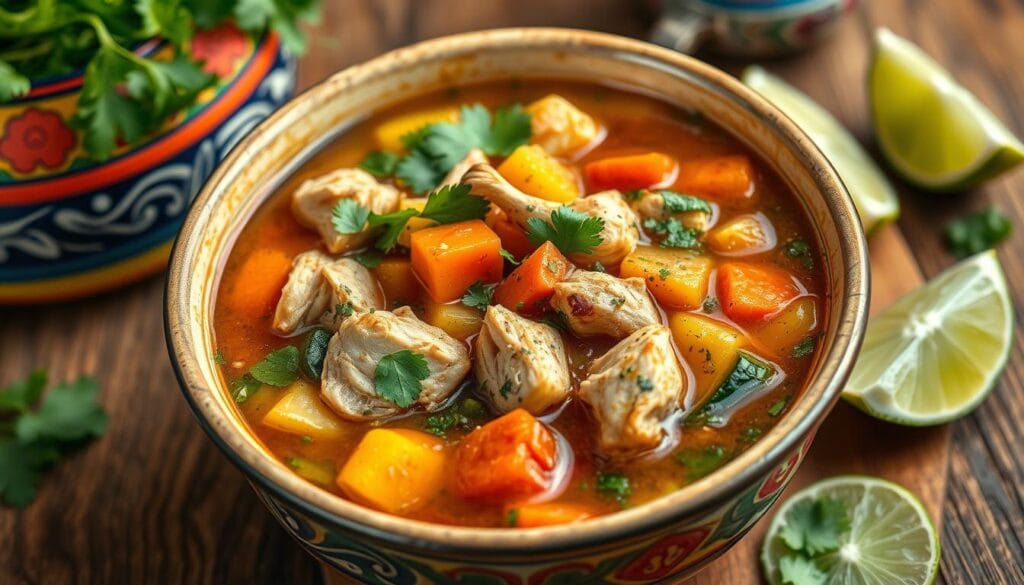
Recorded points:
(656, 542)
(72, 226)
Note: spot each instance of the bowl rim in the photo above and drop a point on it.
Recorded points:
(785, 438)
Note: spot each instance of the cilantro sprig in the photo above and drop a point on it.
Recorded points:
(35, 432)
(814, 530)
(569, 230)
(398, 377)
(478, 296)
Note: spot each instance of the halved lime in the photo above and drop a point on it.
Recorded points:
(933, 131)
(934, 355)
(872, 194)
(890, 538)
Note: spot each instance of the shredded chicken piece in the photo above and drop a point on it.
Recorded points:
(632, 390)
(520, 363)
(652, 206)
(595, 303)
(321, 289)
(620, 233)
(353, 353)
(454, 176)
(314, 201)
(561, 128)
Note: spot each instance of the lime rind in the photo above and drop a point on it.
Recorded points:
(880, 543)
(931, 129)
(872, 193)
(936, 354)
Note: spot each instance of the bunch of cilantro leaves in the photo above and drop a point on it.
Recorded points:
(814, 530)
(35, 430)
(126, 96)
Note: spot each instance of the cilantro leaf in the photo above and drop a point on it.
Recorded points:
(380, 163)
(681, 203)
(815, 526)
(22, 394)
(280, 15)
(778, 406)
(454, 203)
(798, 570)
(508, 256)
(804, 348)
(165, 18)
(800, 250)
(314, 350)
(511, 130)
(977, 232)
(398, 377)
(67, 413)
(569, 230)
(450, 142)
(616, 484)
(348, 216)
(393, 224)
(369, 258)
(279, 368)
(419, 172)
(478, 296)
(244, 387)
(12, 83)
(700, 462)
(21, 467)
(675, 234)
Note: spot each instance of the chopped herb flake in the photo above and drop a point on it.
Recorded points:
(977, 232)
(398, 377)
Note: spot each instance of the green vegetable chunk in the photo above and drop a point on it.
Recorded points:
(977, 232)
(701, 462)
(314, 349)
(616, 484)
(750, 375)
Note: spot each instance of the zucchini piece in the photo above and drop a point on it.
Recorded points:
(314, 349)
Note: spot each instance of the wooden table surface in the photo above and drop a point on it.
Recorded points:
(155, 502)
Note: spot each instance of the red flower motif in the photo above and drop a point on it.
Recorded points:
(220, 48)
(36, 137)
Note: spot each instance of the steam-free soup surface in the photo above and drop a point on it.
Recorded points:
(665, 327)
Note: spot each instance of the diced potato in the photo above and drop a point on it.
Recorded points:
(677, 278)
(711, 348)
(395, 470)
(560, 127)
(390, 132)
(532, 170)
(414, 224)
(398, 282)
(743, 235)
(449, 258)
(301, 412)
(785, 329)
(321, 472)
(726, 177)
(456, 319)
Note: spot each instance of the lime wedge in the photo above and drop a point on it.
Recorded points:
(889, 539)
(933, 131)
(872, 194)
(936, 353)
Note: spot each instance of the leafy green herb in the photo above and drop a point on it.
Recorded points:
(557, 320)
(370, 258)
(505, 389)
(218, 358)
(800, 250)
(306, 439)
(664, 273)
(977, 232)
(464, 416)
(805, 347)
(512, 517)
(634, 195)
(419, 171)
(700, 462)
(598, 267)
(798, 570)
(750, 375)
(645, 384)
(243, 387)
(751, 434)
(343, 309)
(508, 256)
(314, 350)
(674, 233)
(392, 224)
(279, 368)
(815, 526)
(12, 83)
(380, 163)
(349, 217)
(680, 203)
(710, 305)
(569, 230)
(478, 296)
(399, 375)
(454, 203)
(34, 433)
(616, 484)
(778, 406)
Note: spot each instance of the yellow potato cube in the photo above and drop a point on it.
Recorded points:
(398, 281)
(390, 132)
(786, 328)
(743, 235)
(321, 472)
(560, 127)
(711, 349)
(532, 170)
(394, 470)
(677, 278)
(414, 224)
(301, 412)
(456, 319)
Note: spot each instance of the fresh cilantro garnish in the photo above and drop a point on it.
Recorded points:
(616, 484)
(815, 526)
(664, 273)
(778, 406)
(399, 375)
(674, 233)
(349, 217)
(751, 434)
(369, 258)
(798, 570)
(478, 296)
(343, 309)
(700, 462)
(419, 171)
(463, 416)
(680, 203)
(804, 348)
(645, 384)
(243, 387)
(314, 350)
(977, 232)
(633, 195)
(508, 256)
(557, 320)
(279, 368)
(512, 517)
(800, 250)
(569, 230)
(34, 433)
(12, 83)
(454, 203)
(505, 389)
(218, 358)
(710, 305)
(380, 163)
(392, 224)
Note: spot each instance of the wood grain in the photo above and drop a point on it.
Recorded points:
(155, 502)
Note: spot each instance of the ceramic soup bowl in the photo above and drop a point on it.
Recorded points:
(667, 538)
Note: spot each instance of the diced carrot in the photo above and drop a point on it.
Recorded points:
(509, 457)
(727, 177)
(748, 292)
(532, 170)
(513, 238)
(547, 514)
(394, 470)
(677, 278)
(533, 282)
(449, 258)
(626, 173)
(259, 281)
(398, 282)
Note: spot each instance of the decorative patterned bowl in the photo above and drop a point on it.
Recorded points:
(665, 539)
(71, 226)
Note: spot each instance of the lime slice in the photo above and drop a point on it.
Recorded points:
(936, 353)
(890, 539)
(931, 129)
(872, 194)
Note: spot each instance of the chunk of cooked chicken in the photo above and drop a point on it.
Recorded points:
(595, 303)
(520, 363)
(652, 206)
(454, 176)
(314, 201)
(348, 380)
(631, 391)
(561, 128)
(620, 233)
(318, 285)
